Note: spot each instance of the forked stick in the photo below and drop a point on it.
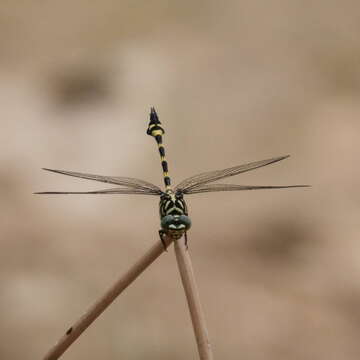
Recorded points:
(193, 299)
(101, 304)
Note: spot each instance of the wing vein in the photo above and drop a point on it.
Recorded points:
(124, 181)
(211, 176)
(231, 187)
(105, 191)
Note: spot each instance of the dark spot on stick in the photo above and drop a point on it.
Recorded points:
(69, 331)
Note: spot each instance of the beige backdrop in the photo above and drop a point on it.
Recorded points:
(233, 81)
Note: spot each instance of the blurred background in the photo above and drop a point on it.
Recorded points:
(233, 82)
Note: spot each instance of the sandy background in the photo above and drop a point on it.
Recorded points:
(234, 81)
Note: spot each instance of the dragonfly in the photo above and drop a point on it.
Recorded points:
(174, 216)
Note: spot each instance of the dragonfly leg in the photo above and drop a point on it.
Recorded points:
(161, 234)
(186, 241)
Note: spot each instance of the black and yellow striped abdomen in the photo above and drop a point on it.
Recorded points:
(155, 130)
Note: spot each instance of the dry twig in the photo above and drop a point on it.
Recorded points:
(193, 299)
(101, 304)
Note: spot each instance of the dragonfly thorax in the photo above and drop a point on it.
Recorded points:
(173, 214)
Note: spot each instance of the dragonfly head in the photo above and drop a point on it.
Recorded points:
(176, 222)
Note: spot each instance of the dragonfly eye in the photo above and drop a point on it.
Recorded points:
(181, 222)
(166, 221)
(186, 221)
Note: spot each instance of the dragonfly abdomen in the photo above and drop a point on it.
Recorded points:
(155, 130)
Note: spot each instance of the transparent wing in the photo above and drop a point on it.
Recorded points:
(210, 176)
(229, 187)
(124, 181)
(106, 191)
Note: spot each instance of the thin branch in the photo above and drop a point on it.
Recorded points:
(193, 299)
(101, 304)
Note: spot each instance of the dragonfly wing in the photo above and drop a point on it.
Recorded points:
(229, 187)
(206, 177)
(125, 181)
(106, 191)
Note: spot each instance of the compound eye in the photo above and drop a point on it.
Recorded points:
(166, 221)
(186, 221)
